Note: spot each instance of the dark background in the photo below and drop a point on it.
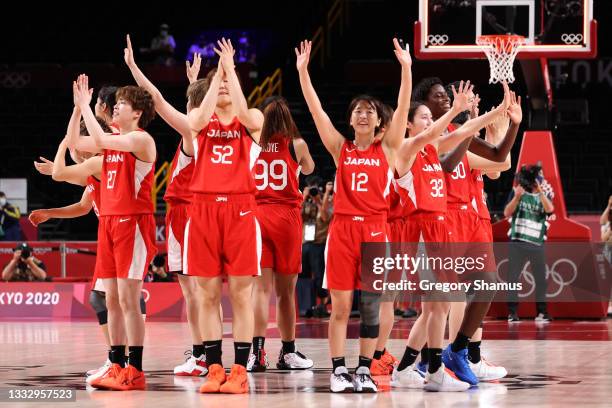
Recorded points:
(50, 38)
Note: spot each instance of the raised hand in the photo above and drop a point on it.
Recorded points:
(226, 54)
(515, 113)
(81, 92)
(194, 69)
(38, 217)
(474, 110)
(303, 55)
(128, 52)
(402, 55)
(461, 97)
(45, 166)
(497, 129)
(507, 96)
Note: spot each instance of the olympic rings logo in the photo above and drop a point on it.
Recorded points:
(14, 80)
(435, 39)
(551, 272)
(146, 295)
(571, 39)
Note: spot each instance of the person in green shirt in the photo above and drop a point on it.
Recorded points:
(529, 206)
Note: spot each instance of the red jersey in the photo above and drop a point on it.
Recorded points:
(399, 204)
(424, 183)
(277, 174)
(93, 189)
(126, 184)
(479, 200)
(363, 179)
(224, 159)
(181, 172)
(458, 183)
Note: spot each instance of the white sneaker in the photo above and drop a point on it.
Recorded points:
(486, 371)
(407, 378)
(106, 365)
(255, 365)
(363, 381)
(444, 380)
(192, 367)
(341, 381)
(293, 361)
(101, 372)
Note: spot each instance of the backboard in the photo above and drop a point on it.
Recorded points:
(447, 29)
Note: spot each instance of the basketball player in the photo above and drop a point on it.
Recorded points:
(284, 154)
(421, 182)
(126, 234)
(457, 354)
(177, 197)
(81, 174)
(222, 236)
(363, 178)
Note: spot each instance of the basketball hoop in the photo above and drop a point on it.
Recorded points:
(501, 51)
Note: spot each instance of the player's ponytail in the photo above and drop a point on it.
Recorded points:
(277, 120)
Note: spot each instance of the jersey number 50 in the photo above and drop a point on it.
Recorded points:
(273, 175)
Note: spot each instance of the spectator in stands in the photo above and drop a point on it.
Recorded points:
(244, 50)
(528, 207)
(10, 230)
(157, 270)
(162, 47)
(24, 267)
(202, 47)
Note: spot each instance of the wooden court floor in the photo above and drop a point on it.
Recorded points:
(564, 363)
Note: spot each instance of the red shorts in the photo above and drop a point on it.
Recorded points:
(463, 222)
(402, 230)
(343, 248)
(484, 232)
(222, 236)
(281, 237)
(473, 234)
(126, 246)
(176, 219)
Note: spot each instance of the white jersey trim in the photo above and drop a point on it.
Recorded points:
(141, 169)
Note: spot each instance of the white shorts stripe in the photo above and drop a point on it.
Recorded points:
(175, 256)
(259, 245)
(185, 246)
(139, 256)
(325, 272)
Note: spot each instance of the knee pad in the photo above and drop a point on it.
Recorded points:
(368, 331)
(143, 305)
(369, 308)
(97, 301)
(102, 317)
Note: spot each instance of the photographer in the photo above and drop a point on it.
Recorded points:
(10, 230)
(316, 214)
(24, 267)
(529, 206)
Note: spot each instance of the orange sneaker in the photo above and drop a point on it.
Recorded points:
(389, 360)
(379, 367)
(216, 378)
(237, 382)
(129, 379)
(101, 382)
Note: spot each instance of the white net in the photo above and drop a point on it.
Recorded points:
(501, 51)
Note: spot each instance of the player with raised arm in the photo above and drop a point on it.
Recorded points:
(363, 178)
(222, 236)
(126, 234)
(284, 154)
(178, 197)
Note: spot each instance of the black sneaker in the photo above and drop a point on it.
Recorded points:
(543, 317)
(410, 312)
(513, 317)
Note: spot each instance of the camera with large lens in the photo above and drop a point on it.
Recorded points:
(528, 176)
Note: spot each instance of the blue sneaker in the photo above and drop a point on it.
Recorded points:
(458, 363)
(421, 368)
